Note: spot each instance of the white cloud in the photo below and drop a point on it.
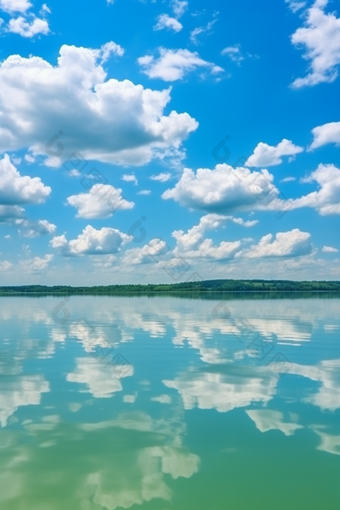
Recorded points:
(8, 212)
(6, 266)
(286, 244)
(130, 178)
(144, 192)
(327, 133)
(194, 34)
(105, 241)
(165, 21)
(234, 53)
(162, 177)
(329, 249)
(29, 228)
(267, 155)
(288, 179)
(267, 419)
(173, 65)
(320, 36)
(179, 7)
(327, 199)
(17, 189)
(100, 202)
(295, 6)
(143, 255)
(15, 5)
(112, 121)
(225, 189)
(35, 265)
(110, 48)
(162, 399)
(193, 245)
(26, 28)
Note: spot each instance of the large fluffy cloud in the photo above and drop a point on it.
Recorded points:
(18, 190)
(107, 120)
(320, 37)
(327, 199)
(91, 242)
(286, 244)
(327, 133)
(225, 189)
(173, 65)
(100, 202)
(267, 155)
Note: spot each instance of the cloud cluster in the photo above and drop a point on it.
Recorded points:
(105, 241)
(320, 36)
(327, 133)
(27, 25)
(286, 244)
(107, 120)
(173, 65)
(100, 202)
(266, 155)
(19, 190)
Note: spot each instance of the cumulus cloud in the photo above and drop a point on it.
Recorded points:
(12, 6)
(8, 212)
(327, 199)
(16, 189)
(327, 133)
(179, 7)
(38, 228)
(165, 21)
(329, 249)
(192, 244)
(105, 241)
(147, 253)
(36, 265)
(320, 37)
(107, 120)
(266, 155)
(130, 178)
(234, 53)
(108, 49)
(100, 202)
(26, 28)
(225, 189)
(162, 177)
(285, 244)
(173, 65)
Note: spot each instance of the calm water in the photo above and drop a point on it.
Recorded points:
(168, 403)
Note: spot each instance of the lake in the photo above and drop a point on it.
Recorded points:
(161, 403)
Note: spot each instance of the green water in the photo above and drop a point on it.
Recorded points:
(168, 403)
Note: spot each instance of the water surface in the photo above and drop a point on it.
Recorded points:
(167, 403)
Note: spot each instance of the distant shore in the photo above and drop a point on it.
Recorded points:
(207, 287)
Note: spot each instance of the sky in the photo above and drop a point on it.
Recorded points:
(169, 141)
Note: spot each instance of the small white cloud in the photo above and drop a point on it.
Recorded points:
(102, 201)
(194, 34)
(288, 179)
(320, 36)
(266, 155)
(15, 5)
(173, 65)
(35, 265)
(285, 244)
(108, 49)
(45, 8)
(16, 189)
(144, 192)
(179, 7)
(91, 242)
(162, 399)
(130, 178)
(234, 53)
(295, 6)
(162, 177)
(329, 249)
(38, 228)
(29, 158)
(327, 133)
(165, 21)
(28, 29)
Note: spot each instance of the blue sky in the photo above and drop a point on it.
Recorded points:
(114, 162)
